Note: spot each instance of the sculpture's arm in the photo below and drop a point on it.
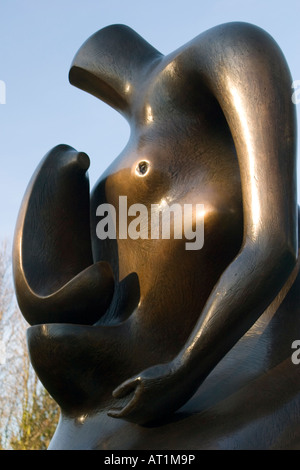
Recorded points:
(247, 73)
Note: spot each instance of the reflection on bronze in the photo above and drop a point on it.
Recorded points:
(193, 346)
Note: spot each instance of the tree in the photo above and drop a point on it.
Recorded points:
(28, 415)
(38, 419)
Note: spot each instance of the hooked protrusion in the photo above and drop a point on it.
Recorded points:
(110, 64)
(55, 278)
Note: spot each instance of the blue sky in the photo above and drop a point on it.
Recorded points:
(38, 40)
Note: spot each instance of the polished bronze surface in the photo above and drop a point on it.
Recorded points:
(137, 329)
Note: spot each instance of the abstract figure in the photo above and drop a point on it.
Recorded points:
(129, 331)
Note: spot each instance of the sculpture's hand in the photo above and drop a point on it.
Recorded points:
(157, 391)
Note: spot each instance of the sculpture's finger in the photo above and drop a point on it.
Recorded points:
(126, 412)
(119, 412)
(126, 388)
(114, 413)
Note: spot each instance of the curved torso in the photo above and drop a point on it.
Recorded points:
(192, 161)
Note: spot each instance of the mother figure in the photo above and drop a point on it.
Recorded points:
(186, 348)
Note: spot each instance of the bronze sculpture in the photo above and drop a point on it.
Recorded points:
(136, 329)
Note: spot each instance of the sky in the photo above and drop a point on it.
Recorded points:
(38, 40)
